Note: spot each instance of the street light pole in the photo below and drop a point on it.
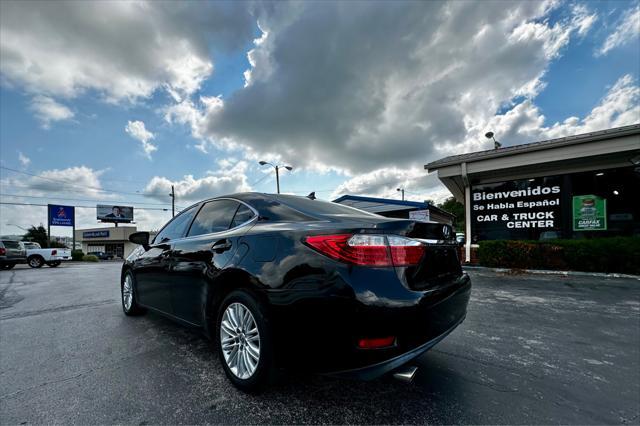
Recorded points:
(173, 201)
(277, 168)
(401, 190)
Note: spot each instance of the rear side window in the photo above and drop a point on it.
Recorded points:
(321, 208)
(177, 227)
(243, 214)
(11, 244)
(215, 216)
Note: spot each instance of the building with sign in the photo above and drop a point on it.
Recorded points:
(397, 208)
(111, 240)
(583, 186)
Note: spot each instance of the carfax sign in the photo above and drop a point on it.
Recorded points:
(61, 215)
(589, 213)
(518, 209)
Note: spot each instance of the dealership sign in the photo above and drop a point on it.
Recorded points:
(589, 213)
(61, 215)
(520, 209)
(95, 234)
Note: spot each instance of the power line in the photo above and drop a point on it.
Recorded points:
(260, 180)
(69, 183)
(78, 207)
(109, 202)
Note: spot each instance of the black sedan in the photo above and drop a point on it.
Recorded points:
(279, 281)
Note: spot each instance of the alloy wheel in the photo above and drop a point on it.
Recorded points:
(127, 292)
(240, 340)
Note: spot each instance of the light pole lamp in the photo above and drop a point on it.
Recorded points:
(277, 167)
(401, 190)
(496, 144)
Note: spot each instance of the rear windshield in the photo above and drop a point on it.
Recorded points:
(321, 208)
(11, 244)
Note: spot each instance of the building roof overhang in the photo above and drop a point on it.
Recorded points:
(591, 151)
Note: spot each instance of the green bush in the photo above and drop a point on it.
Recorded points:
(90, 258)
(617, 254)
(77, 254)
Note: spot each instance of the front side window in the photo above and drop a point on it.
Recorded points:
(215, 216)
(177, 227)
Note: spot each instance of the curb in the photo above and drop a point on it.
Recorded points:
(551, 272)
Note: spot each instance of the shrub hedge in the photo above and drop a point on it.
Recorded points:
(90, 258)
(77, 254)
(617, 254)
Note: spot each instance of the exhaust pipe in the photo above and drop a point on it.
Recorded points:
(405, 374)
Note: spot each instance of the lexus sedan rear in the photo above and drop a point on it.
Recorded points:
(279, 281)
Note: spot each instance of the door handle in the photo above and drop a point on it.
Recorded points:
(221, 246)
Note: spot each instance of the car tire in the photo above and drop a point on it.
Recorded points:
(242, 373)
(54, 264)
(35, 261)
(130, 306)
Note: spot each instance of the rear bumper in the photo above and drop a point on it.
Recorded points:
(372, 372)
(320, 330)
(59, 258)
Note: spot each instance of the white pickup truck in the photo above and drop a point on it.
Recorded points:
(37, 256)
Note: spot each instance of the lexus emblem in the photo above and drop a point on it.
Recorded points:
(445, 231)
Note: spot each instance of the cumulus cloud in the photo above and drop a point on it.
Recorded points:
(79, 183)
(137, 130)
(357, 87)
(526, 123)
(384, 183)
(123, 51)
(627, 30)
(229, 178)
(24, 160)
(47, 110)
(81, 180)
(193, 114)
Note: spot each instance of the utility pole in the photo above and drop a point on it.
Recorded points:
(173, 201)
(278, 179)
(402, 191)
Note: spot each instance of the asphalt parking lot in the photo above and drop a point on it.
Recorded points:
(533, 349)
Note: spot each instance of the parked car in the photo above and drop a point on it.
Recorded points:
(101, 255)
(11, 253)
(37, 256)
(279, 281)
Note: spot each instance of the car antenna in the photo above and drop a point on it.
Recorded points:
(312, 195)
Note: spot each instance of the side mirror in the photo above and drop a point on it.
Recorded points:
(140, 238)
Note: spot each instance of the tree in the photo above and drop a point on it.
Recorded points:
(38, 234)
(456, 208)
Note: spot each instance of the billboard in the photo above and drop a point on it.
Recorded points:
(110, 213)
(61, 215)
(589, 213)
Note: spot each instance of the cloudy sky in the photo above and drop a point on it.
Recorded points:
(115, 102)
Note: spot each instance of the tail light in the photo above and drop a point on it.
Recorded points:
(3, 251)
(377, 343)
(54, 252)
(369, 249)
